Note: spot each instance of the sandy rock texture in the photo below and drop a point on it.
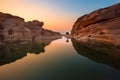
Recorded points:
(101, 25)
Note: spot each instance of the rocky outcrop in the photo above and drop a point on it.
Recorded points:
(38, 32)
(101, 25)
(34, 23)
(14, 28)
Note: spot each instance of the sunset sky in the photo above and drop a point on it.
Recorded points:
(57, 15)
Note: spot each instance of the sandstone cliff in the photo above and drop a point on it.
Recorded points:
(101, 25)
(14, 28)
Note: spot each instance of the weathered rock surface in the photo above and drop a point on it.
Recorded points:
(102, 25)
(14, 28)
(40, 33)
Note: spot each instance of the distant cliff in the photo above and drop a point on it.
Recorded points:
(102, 25)
(14, 28)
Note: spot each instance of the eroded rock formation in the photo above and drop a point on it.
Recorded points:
(14, 28)
(38, 32)
(101, 25)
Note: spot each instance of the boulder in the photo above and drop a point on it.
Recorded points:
(35, 23)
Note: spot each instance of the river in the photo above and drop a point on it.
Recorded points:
(60, 59)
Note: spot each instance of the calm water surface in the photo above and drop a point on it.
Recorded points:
(55, 60)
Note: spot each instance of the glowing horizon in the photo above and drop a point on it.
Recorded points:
(57, 15)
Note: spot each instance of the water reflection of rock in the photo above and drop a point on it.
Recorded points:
(67, 40)
(12, 52)
(100, 52)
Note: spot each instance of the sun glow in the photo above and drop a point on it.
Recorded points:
(54, 20)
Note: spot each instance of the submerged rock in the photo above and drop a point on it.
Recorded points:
(101, 25)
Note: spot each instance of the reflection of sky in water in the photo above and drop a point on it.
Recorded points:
(60, 61)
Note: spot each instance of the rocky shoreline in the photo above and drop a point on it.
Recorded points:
(15, 29)
(101, 25)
